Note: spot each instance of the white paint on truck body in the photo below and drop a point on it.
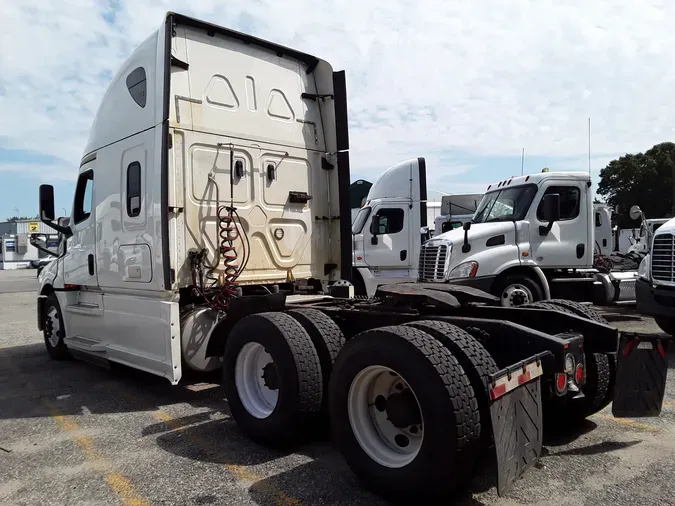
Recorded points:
(157, 166)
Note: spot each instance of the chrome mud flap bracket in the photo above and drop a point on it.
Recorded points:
(641, 371)
(517, 422)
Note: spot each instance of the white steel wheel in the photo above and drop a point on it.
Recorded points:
(385, 416)
(516, 295)
(256, 380)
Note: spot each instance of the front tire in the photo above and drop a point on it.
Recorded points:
(54, 329)
(404, 414)
(272, 378)
(516, 290)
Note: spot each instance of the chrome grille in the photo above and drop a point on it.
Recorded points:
(663, 256)
(432, 262)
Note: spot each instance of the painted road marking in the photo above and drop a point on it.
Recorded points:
(118, 483)
(241, 473)
(628, 422)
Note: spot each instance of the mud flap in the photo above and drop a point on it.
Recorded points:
(641, 371)
(517, 422)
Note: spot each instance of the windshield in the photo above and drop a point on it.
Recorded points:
(360, 220)
(508, 204)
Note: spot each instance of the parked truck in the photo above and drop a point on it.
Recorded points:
(655, 287)
(533, 238)
(209, 231)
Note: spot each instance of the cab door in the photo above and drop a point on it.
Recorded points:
(565, 245)
(79, 263)
(387, 239)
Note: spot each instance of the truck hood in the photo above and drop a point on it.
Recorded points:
(667, 228)
(478, 231)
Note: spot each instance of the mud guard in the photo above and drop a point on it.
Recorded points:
(641, 371)
(517, 421)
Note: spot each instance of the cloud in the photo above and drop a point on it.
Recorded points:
(452, 81)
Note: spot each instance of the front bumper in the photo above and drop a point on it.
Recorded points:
(483, 283)
(656, 300)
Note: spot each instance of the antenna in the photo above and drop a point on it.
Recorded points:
(522, 162)
(589, 146)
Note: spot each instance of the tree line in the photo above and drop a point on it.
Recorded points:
(643, 179)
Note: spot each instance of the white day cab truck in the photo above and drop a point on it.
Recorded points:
(656, 283)
(508, 247)
(210, 231)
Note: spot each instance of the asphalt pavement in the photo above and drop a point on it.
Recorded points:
(72, 433)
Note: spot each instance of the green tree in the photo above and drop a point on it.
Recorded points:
(645, 179)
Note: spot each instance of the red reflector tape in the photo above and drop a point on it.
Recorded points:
(504, 384)
(629, 347)
(659, 347)
(524, 378)
(498, 391)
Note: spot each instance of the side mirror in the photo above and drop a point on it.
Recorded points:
(550, 211)
(47, 202)
(47, 210)
(551, 207)
(466, 247)
(374, 229)
(635, 213)
(375, 225)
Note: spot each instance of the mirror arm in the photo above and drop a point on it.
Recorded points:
(66, 231)
(37, 246)
(544, 230)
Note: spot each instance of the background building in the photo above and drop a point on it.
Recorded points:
(16, 250)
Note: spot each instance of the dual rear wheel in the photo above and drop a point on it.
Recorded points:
(407, 404)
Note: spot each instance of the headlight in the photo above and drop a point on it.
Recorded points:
(643, 269)
(465, 270)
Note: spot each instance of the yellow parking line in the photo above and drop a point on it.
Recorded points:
(118, 483)
(629, 423)
(669, 404)
(241, 473)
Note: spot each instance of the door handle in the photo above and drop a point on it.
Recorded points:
(90, 261)
(403, 255)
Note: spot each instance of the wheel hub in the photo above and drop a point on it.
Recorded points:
(402, 409)
(256, 380)
(53, 326)
(516, 295)
(269, 376)
(385, 416)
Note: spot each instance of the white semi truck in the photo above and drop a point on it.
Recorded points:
(211, 218)
(532, 238)
(655, 288)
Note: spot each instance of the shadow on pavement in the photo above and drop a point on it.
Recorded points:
(595, 449)
(36, 386)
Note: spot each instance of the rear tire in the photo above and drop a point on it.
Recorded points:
(517, 289)
(599, 383)
(272, 378)
(420, 468)
(328, 340)
(667, 325)
(590, 313)
(474, 359)
(54, 330)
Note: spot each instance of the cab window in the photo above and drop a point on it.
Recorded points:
(570, 202)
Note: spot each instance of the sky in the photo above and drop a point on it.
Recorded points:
(465, 84)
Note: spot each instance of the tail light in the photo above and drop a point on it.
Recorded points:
(579, 374)
(561, 383)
